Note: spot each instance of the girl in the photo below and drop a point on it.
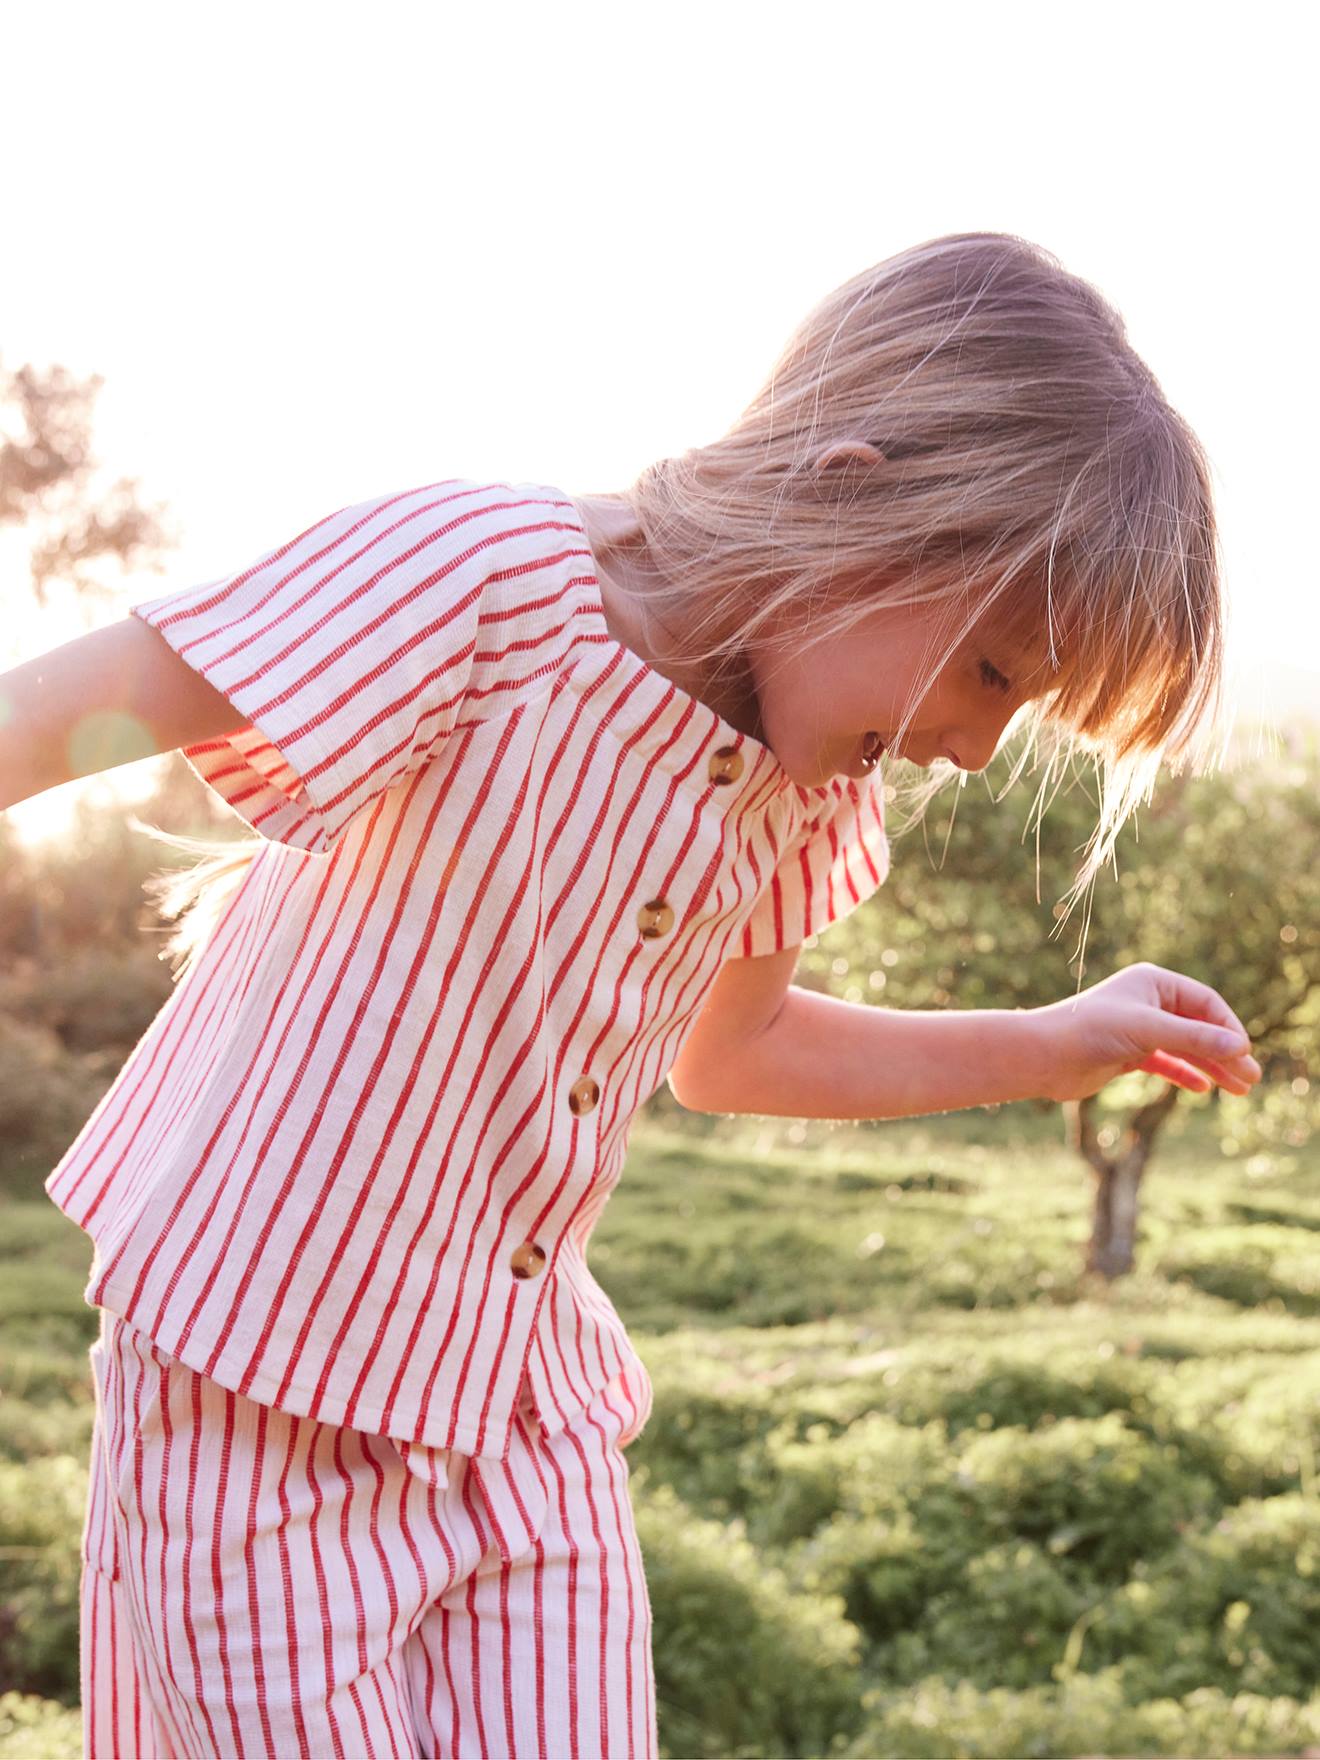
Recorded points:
(549, 791)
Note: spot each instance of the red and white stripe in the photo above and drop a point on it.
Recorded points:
(260, 1584)
(311, 1179)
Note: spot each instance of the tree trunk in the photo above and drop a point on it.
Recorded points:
(1118, 1176)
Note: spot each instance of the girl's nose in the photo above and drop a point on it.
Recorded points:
(969, 752)
(972, 746)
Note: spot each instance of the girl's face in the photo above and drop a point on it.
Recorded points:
(815, 705)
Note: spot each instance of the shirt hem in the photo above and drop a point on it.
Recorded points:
(298, 1401)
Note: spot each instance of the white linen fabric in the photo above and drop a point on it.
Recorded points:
(352, 1169)
(260, 1584)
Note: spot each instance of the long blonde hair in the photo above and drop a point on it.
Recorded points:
(1007, 458)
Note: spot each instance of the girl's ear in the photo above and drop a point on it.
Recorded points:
(848, 452)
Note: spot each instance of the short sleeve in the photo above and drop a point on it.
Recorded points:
(348, 651)
(836, 862)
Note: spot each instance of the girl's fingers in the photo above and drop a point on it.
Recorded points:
(1197, 1074)
(1189, 1036)
(1173, 1069)
(1232, 1075)
(1193, 1000)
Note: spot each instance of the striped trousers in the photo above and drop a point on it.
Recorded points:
(259, 1584)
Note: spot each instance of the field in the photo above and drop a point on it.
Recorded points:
(912, 1485)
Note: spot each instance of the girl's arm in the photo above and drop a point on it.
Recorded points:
(819, 1057)
(101, 700)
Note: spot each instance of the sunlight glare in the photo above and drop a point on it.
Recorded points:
(50, 817)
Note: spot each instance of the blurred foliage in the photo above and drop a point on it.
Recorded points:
(44, 1098)
(41, 1515)
(746, 1662)
(81, 977)
(82, 892)
(1219, 876)
(50, 487)
(1088, 1714)
(34, 1729)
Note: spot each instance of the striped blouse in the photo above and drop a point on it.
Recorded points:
(353, 1166)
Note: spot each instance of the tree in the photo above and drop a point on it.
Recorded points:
(49, 488)
(52, 495)
(1218, 877)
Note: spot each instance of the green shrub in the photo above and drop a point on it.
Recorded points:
(886, 1569)
(777, 1273)
(988, 1389)
(978, 1271)
(903, 1530)
(28, 1431)
(921, 1529)
(1093, 1490)
(1087, 1714)
(1236, 1606)
(66, 1331)
(745, 1665)
(706, 1439)
(94, 999)
(1004, 1622)
(38, 1227)
(46, 1097)
(41, 1518)
(48, 1327)
(28, 1290)
(1249, 1417)
(1250, 1266)
(51, 1369)
(34, 1729)
(1273, 1429)
(875, 1467)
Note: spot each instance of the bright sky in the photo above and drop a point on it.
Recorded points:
(320, 252)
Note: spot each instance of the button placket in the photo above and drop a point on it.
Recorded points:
(724, 767)
(654, 918)
(529, 1259)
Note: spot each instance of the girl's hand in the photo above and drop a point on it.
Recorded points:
(1144, 1017)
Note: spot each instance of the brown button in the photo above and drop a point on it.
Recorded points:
(583, 1095)
(726, 765)
(655, 918)
(527, 1260)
